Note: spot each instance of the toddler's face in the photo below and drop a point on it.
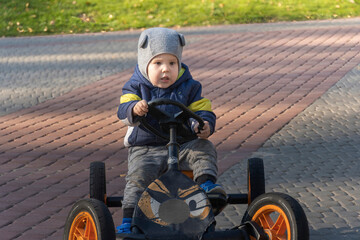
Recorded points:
(163, 70)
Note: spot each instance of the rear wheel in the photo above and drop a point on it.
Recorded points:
(280, 215)
(89, 219)
(98, 181)
(256, 178)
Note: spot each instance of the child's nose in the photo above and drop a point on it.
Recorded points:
(166, 67)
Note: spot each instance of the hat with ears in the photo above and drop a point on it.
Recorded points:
(156, 41)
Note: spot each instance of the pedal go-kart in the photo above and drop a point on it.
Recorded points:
(175, 207)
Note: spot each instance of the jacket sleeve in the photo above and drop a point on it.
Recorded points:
(127, 102)
(202, 106)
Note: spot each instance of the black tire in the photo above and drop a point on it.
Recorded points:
(279, 206)
(98, 181)
(256, 178)
(93, 216)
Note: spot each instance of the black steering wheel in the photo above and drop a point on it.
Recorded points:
(165, 119)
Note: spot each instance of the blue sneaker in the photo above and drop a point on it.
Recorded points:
(211, 187)
(125, 226)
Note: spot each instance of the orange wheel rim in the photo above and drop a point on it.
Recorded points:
(274, 221)
(188, 173)
(83, 227)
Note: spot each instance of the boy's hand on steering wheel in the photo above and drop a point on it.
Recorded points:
(203, 133)
(140, 108)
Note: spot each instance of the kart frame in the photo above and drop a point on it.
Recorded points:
(97, 223)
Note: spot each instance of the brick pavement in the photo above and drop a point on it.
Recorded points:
(258, 81)
(315, 158)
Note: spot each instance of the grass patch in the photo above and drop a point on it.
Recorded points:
(43, 17)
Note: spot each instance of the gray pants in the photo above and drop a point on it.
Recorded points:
(146, 163)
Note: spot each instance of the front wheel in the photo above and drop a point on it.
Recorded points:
(89, 219)
(280, 215)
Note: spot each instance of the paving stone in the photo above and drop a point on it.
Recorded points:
(328, 202)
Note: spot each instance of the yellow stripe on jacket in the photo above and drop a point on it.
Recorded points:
(129, 97)
(201, 105)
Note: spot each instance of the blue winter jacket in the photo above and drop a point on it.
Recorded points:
(185, 90)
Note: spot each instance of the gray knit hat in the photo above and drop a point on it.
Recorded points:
(155, 41)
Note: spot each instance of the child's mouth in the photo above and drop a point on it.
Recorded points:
(165, 79)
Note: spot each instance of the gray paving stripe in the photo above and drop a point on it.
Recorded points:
(31, 75)
(316, 159)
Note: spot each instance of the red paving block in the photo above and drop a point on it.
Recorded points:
(8, 234)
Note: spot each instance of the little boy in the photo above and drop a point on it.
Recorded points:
(160, 74)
